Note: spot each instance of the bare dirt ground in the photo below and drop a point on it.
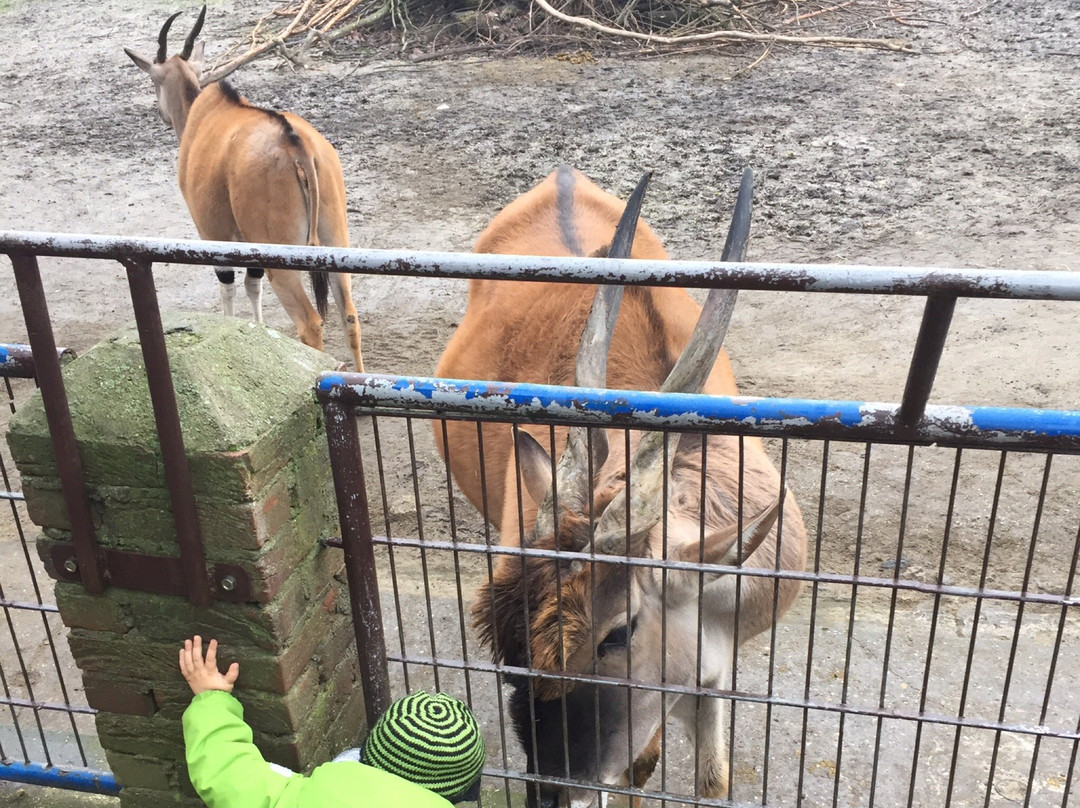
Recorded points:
(962, 156)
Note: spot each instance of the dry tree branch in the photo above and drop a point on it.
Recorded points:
(809, 14)
(220, 72)
(731, 36)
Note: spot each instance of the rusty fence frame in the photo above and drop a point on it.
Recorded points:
(910, 421)
(17, 362)
(344, 396)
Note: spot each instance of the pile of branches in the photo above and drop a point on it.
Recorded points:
(424, 29)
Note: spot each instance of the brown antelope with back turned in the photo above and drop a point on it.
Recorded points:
(258, 175)
(594, 618)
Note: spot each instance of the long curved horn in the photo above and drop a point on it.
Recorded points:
(738, 236)
(688, 376)
(572, 476)
(189, 43)
(163, 39)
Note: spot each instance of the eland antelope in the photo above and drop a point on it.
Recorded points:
(594, 618)
(258, 175)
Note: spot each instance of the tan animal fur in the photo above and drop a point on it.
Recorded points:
(529, 332)
(256, 175)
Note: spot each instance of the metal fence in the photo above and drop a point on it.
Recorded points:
(44, 738)
(930, 658)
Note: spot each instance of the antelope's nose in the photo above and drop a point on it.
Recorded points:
(549, 799)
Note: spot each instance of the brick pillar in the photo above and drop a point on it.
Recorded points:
(257, 450)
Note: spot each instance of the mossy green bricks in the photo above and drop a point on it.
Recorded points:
(257, 451)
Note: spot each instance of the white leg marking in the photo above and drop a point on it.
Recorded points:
(228, 294)
(253, 287)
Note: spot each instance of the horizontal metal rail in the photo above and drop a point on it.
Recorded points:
(53, 706)
(17, 361)
(642, 562)
(47, 608)
(976, 427)
(778, 277)
(85, 780)
(742, 696)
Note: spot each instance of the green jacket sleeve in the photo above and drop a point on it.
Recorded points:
(224, 765)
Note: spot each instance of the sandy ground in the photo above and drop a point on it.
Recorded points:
(962, 156)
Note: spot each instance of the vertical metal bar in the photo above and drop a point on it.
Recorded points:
(628, 605)
(700, 633)
(27, 681)
(739, 516)
(14, 715)
(347, 467)
(775, 620)
(54, 398)
(1070, 771)
(1009, 669)
(167, 419)
(37, 594)
(665, 498)
(499, 679)
(851, 623)
(915, 756)
(457, 570)
(418, 505)
(975, 627)
(937, 315)
(883, 691)
(813, 621)
(390, 550)
(532, 787)
(555, 520)
(1053, 668)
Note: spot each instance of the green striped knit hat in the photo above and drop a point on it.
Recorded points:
(431, 740)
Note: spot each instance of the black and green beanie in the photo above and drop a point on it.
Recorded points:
(431, 740)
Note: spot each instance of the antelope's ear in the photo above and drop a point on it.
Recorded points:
(145, 64)
(195, 61)
(723, 546)
(535, 465)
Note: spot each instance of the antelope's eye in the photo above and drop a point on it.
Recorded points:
(618, 638)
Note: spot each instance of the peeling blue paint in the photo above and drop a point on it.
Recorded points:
(86, 780)
(845, 420)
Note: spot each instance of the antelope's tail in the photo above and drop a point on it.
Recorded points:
(308, 177)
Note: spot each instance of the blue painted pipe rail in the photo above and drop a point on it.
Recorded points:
(37, 774)
(976, 427)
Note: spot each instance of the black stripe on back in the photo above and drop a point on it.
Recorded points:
(564, 204)
(233, 97)
(653, 326)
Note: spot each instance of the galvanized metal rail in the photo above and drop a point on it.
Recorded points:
(776, 277)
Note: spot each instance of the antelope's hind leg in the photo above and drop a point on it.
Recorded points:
(253, 287)
(288, 285)
(227, 288)
(341, 284)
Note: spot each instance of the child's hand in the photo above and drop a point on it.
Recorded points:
(203, 674)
